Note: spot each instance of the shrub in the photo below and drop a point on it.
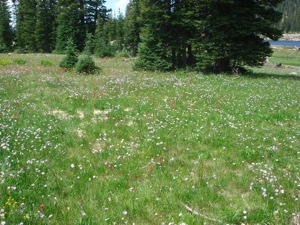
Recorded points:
(86, 65)
(3, 48)
(46, 63)
(20, 61)
(5, 62)
(71, 58)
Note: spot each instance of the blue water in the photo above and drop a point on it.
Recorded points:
(286, 43)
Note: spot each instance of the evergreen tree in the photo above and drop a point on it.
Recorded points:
(94, 9)
(76, 19)
(222, 35)
(6, 33)
(152, 54)
(45, 25)
(89, 44)
(104, 47)
(71, 58)
(26, 22)
(120, 32)
(69, 25)
(132, 26)
(233, 32)
(167, 33)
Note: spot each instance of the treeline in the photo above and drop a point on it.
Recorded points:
(291, 16)
(47, 25)
(215, 35)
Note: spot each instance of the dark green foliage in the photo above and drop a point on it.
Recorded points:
(233, 34)
(69, 26)
(76, 19)
(26, 22)
(132, 26)
(86, 65)
(104, 49)
(172, 29)
(71, 58)
(220, 36)
(94, 10)
(89, 44)
(120, 32)
(152, 54)
(6, 33)
(45, 25)
(104, 39)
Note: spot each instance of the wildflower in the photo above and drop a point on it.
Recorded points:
(125, 213)
(26, 217)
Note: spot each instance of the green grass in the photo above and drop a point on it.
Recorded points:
(130, 147)
(286, 56)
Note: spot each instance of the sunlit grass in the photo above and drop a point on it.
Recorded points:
(286, 56)
(125, 147)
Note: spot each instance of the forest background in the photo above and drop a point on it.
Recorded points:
(42, 26)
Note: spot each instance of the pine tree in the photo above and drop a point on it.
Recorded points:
(94, 9)
(132, 26)
(76, 19)
(152, 54)
(120, 32)
(6, 33)
(89, 44)
(218, 35)
(71, 58)
(45, 25)
(104, 47)
(26, 22)
(166, 34)
(69, 25)
(233, 33)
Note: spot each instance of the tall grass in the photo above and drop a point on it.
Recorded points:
(125, 147)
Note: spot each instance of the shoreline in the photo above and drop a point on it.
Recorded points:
(290, 37)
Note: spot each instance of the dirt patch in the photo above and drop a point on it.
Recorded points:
(60, 114)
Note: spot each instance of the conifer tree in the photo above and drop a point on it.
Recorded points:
(69, 25)
(45, 25)
(6, 33)
(89, 44)
(132, 26)
(233, 33)
(217, 35)
(26, 22)
(71, 58)
(120, 32)
(104, 47)
(94, 9)
(152, 54)
(160, 33)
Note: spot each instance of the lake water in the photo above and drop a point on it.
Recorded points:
(286, 43)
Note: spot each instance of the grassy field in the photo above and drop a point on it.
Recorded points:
(126, 147)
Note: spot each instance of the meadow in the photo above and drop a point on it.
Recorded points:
(134, 147)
